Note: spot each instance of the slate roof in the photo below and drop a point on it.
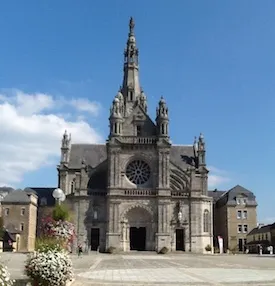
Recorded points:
(94, 154)
(182, 156)
(229, 197)
(262, 242)
(11, 228)
(17, 196)
(44, 193)
(216, 194)
(6, 189)
(262, 229)
(10, 236)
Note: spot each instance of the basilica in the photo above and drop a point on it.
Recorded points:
(137, 191)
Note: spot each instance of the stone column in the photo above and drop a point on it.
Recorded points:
(123, 235)
(114, 167)
(113, 234)
(82, 204)
(164, 168)
(166, 218)
(116, 217)
(64, 182)
(163, 237)
(111, 218)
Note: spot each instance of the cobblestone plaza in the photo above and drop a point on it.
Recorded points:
(171, 269)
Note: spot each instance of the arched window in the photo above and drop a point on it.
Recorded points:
(162, 129)
(72, 187)
(206, 221)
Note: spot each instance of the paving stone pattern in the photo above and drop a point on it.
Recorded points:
(151, 269)
(184, 269)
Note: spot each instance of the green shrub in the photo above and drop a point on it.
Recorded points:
(61, 212)
(164, 250)
(208, 247)
(45, 244)
(112, 250)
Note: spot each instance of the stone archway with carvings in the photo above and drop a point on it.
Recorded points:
(138, 216)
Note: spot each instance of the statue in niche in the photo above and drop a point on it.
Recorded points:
(180, 212)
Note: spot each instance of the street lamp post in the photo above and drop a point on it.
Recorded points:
(59, 196)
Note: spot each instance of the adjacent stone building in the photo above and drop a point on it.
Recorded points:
(260, 235)
(45, 203)
(235, 215)
(138, 191)
(3, 192)
(19, 212)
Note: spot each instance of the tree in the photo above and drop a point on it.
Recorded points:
(61, 212)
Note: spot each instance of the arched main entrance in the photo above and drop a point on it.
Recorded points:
(138, 229)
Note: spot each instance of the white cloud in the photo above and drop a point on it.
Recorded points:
(28, 104)
(217, 177)
(31, 127)
(83, 104)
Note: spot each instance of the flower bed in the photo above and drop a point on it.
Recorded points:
(50, 268)
(5, 279)
(62, 230)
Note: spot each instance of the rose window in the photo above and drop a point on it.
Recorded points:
(138, 172)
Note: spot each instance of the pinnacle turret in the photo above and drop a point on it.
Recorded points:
(116, 115)
(162, 118)
(201, 150)
(65, 148)
(66, 140)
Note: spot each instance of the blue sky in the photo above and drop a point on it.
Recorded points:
(213, 61)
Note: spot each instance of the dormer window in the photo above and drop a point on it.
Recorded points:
(241, 201)
(43, 201)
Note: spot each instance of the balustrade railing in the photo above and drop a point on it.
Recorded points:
(137, 140)
(139, 192)
(179, 194)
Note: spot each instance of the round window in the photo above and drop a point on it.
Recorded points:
(138, 172)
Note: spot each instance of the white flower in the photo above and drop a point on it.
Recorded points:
(5, 276)
(52, 267)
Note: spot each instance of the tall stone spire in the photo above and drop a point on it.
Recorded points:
(131, 87)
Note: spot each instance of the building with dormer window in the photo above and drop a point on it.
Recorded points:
(235, 215)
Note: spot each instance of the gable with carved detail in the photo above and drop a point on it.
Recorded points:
(138, 118)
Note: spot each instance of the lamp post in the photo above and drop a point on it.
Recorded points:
(59, 196)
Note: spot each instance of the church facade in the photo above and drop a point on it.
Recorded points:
(137, 191)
